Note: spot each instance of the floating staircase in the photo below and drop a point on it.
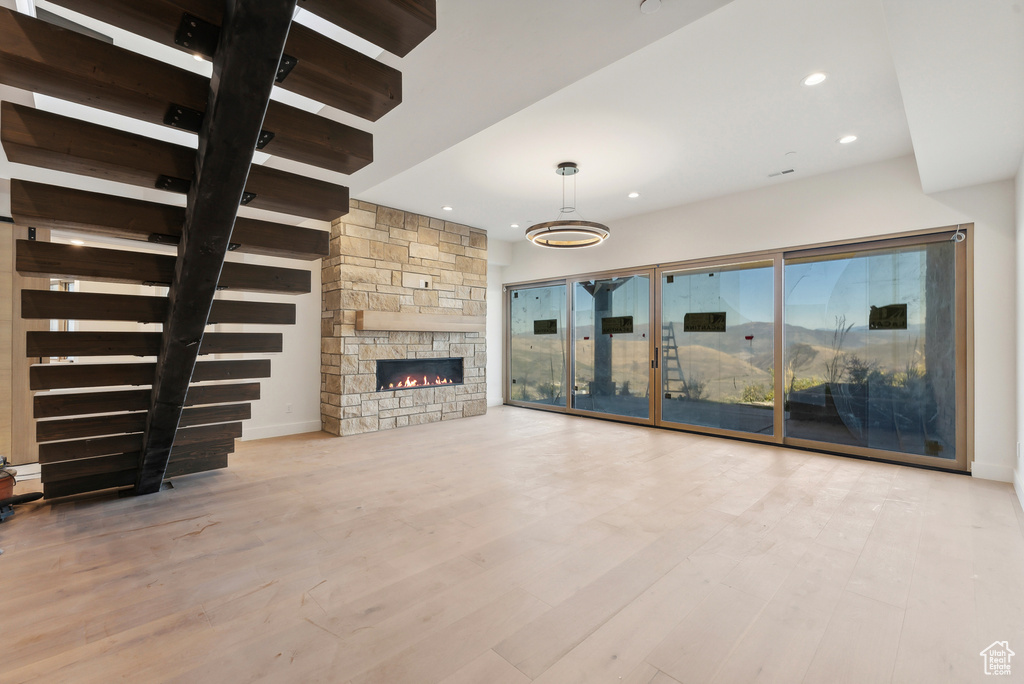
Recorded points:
(101, 424)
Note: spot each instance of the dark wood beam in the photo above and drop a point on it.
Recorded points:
(88, 483)
(200, 462)
(395, 25)
(64, 404)
(37, 138)
(92, 306)
(84, 403)
(249, 52)
(96, 306)
(50, 259)
(182, 452)
(50, 376)
(93, 426)
(110, 343)
(43, 58)
(126, 423)
(319, 68)
(85, 467)
(71, 450)
(49, 206)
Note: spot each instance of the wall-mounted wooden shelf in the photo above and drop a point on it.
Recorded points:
(414, 322)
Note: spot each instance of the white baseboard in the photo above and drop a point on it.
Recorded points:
(265, 431)
(987, 471)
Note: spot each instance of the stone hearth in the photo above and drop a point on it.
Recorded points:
(393, 261)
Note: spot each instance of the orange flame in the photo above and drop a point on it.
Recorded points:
(414, 382)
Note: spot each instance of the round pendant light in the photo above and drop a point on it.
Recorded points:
(568, 233)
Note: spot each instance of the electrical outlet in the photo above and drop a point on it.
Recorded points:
(417, 281)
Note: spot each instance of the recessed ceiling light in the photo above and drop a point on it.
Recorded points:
(514, 225)
(446, 208)
(633, 195)
(650, 6)
(815, 78)
(78, 242)
(847, 139)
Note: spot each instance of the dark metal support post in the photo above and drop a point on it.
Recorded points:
(244, 67)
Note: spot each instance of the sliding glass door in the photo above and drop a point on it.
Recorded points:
(871, 350)
(717, 353)
(537, 345)
(612, 348)
(858, 348)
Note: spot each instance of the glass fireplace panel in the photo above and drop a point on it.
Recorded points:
(394, 374)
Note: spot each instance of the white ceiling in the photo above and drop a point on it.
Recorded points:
(698, 100)
(711, 108)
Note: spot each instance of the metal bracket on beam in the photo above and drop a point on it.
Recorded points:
(164, 239)
(247, 197)
(173, 184)
(265, 138)
(197, 35)
(184, 118)
(285, 67)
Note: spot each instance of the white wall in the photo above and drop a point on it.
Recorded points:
(866, 201)
(1018, 474)
(290, 398)
(499, 255)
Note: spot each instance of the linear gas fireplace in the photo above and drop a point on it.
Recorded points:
(395, 374)
(402, 286)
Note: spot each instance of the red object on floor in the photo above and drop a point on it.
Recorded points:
(6, 485)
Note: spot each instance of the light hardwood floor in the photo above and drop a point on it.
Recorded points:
(515, 547)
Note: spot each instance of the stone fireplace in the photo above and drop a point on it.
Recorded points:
(409, 291)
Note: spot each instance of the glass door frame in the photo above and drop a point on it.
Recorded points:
(964, 317)
(652, 374)
(506, 362)
(964, 322)
(764, 258)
